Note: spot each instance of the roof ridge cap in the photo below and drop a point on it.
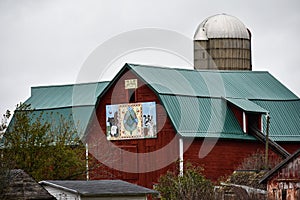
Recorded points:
(193, 69)
(68, 84)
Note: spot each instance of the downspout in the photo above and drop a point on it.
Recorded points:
(244, 122)
(87, 160)
(180, 156)
(261, 124)
(267, 141)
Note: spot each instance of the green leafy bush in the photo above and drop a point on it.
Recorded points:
(192, 185)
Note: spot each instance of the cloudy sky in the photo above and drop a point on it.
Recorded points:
(46, 42)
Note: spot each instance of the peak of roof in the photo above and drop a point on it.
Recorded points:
(26, 187)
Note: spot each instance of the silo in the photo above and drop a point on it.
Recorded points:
(222, 42)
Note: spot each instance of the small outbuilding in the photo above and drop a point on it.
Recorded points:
(97, 189)
(21, 186)
(284, 180)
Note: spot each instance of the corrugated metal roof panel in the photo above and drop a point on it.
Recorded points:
(202, 117)
(77, 117)
(48, 97)
(284, 119)
(247, 105)
(231, 84)
(192, 99)
(74, 103)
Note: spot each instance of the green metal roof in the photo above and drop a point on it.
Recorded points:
(194, 92)
(211, 83)
(284, 119)
(247, 105)
(74, 103)
(53, 97)
(194, 100)
(202, 117)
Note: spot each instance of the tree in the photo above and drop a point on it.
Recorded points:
(4, 164)
(192, 185)
(3, 124)
(45, 145)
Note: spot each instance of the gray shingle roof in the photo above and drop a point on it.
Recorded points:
(22, 186)
(100, 187)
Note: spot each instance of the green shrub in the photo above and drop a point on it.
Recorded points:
(192, 185)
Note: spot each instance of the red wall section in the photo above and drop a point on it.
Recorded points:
(146, 156)
(224, 158)
(290, 146)
(238, 113)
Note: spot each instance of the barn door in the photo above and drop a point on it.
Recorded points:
(129, 161)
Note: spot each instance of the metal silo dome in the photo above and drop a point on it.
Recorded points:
(222, 42)
(221, 26)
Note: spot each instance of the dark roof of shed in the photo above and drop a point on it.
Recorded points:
(281, 165)
(100, 187)
(22, 186)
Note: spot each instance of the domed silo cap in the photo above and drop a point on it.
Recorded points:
(221, 26)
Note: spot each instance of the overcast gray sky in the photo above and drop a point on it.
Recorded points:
(46, 42)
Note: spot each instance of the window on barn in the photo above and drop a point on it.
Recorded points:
(254, 120)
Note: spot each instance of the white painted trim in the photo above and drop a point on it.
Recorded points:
(53, 185)
(87, 160)
(244, 122)
(261, 123)
(180, 157)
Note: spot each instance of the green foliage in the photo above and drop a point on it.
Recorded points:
(192, 185)
(44, 145)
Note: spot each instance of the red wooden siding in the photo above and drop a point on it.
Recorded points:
(222, 160)
(118, 95)
(238, 113)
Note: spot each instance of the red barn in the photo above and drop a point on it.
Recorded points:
(209, 118)
(148, 119)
